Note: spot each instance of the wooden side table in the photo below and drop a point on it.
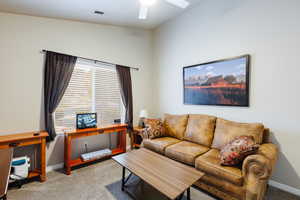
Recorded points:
(121, 129)
(135, 137)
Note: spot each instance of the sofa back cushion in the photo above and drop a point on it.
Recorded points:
(228, 130)
(200, 129)
(175, 125)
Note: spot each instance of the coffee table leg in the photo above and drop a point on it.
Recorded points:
(180, 197)
(188, 191)
(123, 178)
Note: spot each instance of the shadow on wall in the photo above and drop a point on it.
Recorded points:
(55, 151)
(42, 114)
(283, 166)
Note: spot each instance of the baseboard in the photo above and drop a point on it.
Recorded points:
(285, 187)
(54, 167)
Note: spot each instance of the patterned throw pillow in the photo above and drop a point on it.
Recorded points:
(235, 151)
(154, 128)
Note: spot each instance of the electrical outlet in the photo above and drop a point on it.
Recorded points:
(85, 145)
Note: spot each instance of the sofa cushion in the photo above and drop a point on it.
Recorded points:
(159, 144)
(228, 130)
(175, 125)
(200, 129)
(210, 163)
(185, 151)
(154, 128)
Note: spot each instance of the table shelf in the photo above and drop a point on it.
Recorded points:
(33, 174)
(79, 161)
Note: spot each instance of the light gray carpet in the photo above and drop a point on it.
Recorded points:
(101, 181)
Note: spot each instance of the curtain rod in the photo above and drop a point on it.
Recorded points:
(135, 68)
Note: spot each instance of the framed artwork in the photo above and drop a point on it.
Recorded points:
(221, 83)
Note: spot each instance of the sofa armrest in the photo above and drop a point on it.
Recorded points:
(257, 169)
(270, 151)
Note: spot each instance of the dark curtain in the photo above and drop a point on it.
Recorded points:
(126, 93)
(58, 72)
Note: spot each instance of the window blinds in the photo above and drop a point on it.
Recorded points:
(92, 88)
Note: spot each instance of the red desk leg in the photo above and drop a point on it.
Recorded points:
(43, 160)
(122, 140)
(124, 133)
(67, 155)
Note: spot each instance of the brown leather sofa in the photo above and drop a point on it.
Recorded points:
(196, 140)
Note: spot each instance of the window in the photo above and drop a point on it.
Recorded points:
(92, 88)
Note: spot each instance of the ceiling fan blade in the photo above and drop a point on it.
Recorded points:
(179, 3)
(143, 12)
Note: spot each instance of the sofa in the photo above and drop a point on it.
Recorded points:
(196, 140)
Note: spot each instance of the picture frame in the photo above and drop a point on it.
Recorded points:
(224, 82)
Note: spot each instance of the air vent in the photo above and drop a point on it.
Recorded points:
(97, 12)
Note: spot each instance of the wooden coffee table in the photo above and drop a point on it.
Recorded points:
(169, 177)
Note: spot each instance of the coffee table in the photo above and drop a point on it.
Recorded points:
(169, 177)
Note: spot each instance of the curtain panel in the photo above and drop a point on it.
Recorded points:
(126, 93)
(57, 75)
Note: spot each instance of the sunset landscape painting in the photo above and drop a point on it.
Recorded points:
(224, 82)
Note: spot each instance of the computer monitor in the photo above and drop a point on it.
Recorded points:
(86, 120)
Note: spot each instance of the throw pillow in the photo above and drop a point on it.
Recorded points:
(235, 151)
(154, 128)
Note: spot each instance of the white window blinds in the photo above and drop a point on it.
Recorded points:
(92, 88)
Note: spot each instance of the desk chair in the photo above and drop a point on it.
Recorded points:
(5, 166)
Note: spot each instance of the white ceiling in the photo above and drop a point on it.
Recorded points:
(117, 12)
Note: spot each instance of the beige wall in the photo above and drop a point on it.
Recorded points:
(21, 66)
(267, 30)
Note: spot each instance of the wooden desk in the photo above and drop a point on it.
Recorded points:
(26, 139)
(121, 129)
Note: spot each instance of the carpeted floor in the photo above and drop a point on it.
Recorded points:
(101, 181)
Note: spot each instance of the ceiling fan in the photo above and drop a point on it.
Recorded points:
(145, 4)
